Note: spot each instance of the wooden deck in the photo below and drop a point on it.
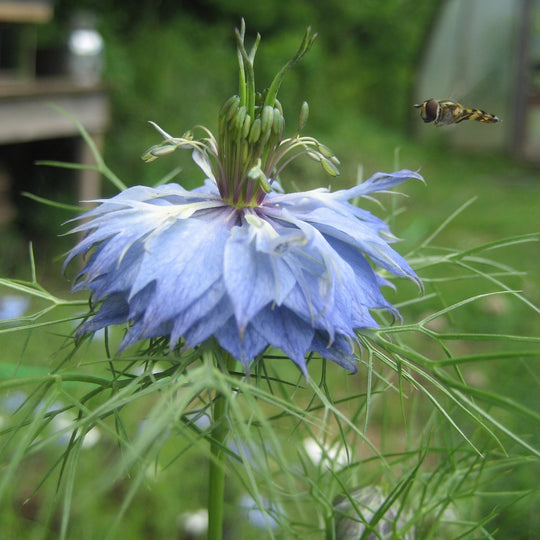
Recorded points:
(32, 111)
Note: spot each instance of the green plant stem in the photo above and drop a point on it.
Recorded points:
(216, 487)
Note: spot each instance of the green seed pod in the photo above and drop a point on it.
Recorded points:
(163, 150)
(234, 103)
(325, 151)
(158, 151)
(267, 117)
(329, 167)
(315, 156)
(304, 114)
(228, 104)
(245, 127)
(255, 131)
(278, 122)
(263, 139)
(240, 117)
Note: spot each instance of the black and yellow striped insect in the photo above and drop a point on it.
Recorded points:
(444, 112)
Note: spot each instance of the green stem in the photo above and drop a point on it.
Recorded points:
(216, 487)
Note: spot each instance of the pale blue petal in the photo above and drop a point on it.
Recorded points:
(362, 236)
(340, 351)
(211, 324)
(244, 348)
(284, 330)
(185, 259)
(201, 159)
(212, 302)
(113, 310)
(248, 275)
(378, 182)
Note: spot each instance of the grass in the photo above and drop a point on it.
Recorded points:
(382, 414)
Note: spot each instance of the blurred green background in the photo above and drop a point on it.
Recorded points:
(174, 62)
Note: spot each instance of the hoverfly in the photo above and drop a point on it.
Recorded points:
(443, 112)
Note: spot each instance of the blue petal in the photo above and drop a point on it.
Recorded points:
(185, 260)
(214, 320)
(352, 231)
(340, 351)
(212, 302)
(284, 330)
(244, 348)
(254, 274)
(105, 277)
(113, 310)
(378, 182)
(248, 276)
(364, 288)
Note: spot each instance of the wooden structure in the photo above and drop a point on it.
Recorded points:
(25, 11)
(26, 114)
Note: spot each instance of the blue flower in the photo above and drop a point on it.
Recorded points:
(234, 259)
(292, 273)
(13, 307)
(261, 517)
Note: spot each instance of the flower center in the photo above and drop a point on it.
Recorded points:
(248, 141)
(250, 151)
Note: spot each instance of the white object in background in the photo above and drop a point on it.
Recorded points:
(85, 51)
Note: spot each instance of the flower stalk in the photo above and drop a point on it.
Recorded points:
(220, 431)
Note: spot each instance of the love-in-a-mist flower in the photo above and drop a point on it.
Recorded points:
(237, 260)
